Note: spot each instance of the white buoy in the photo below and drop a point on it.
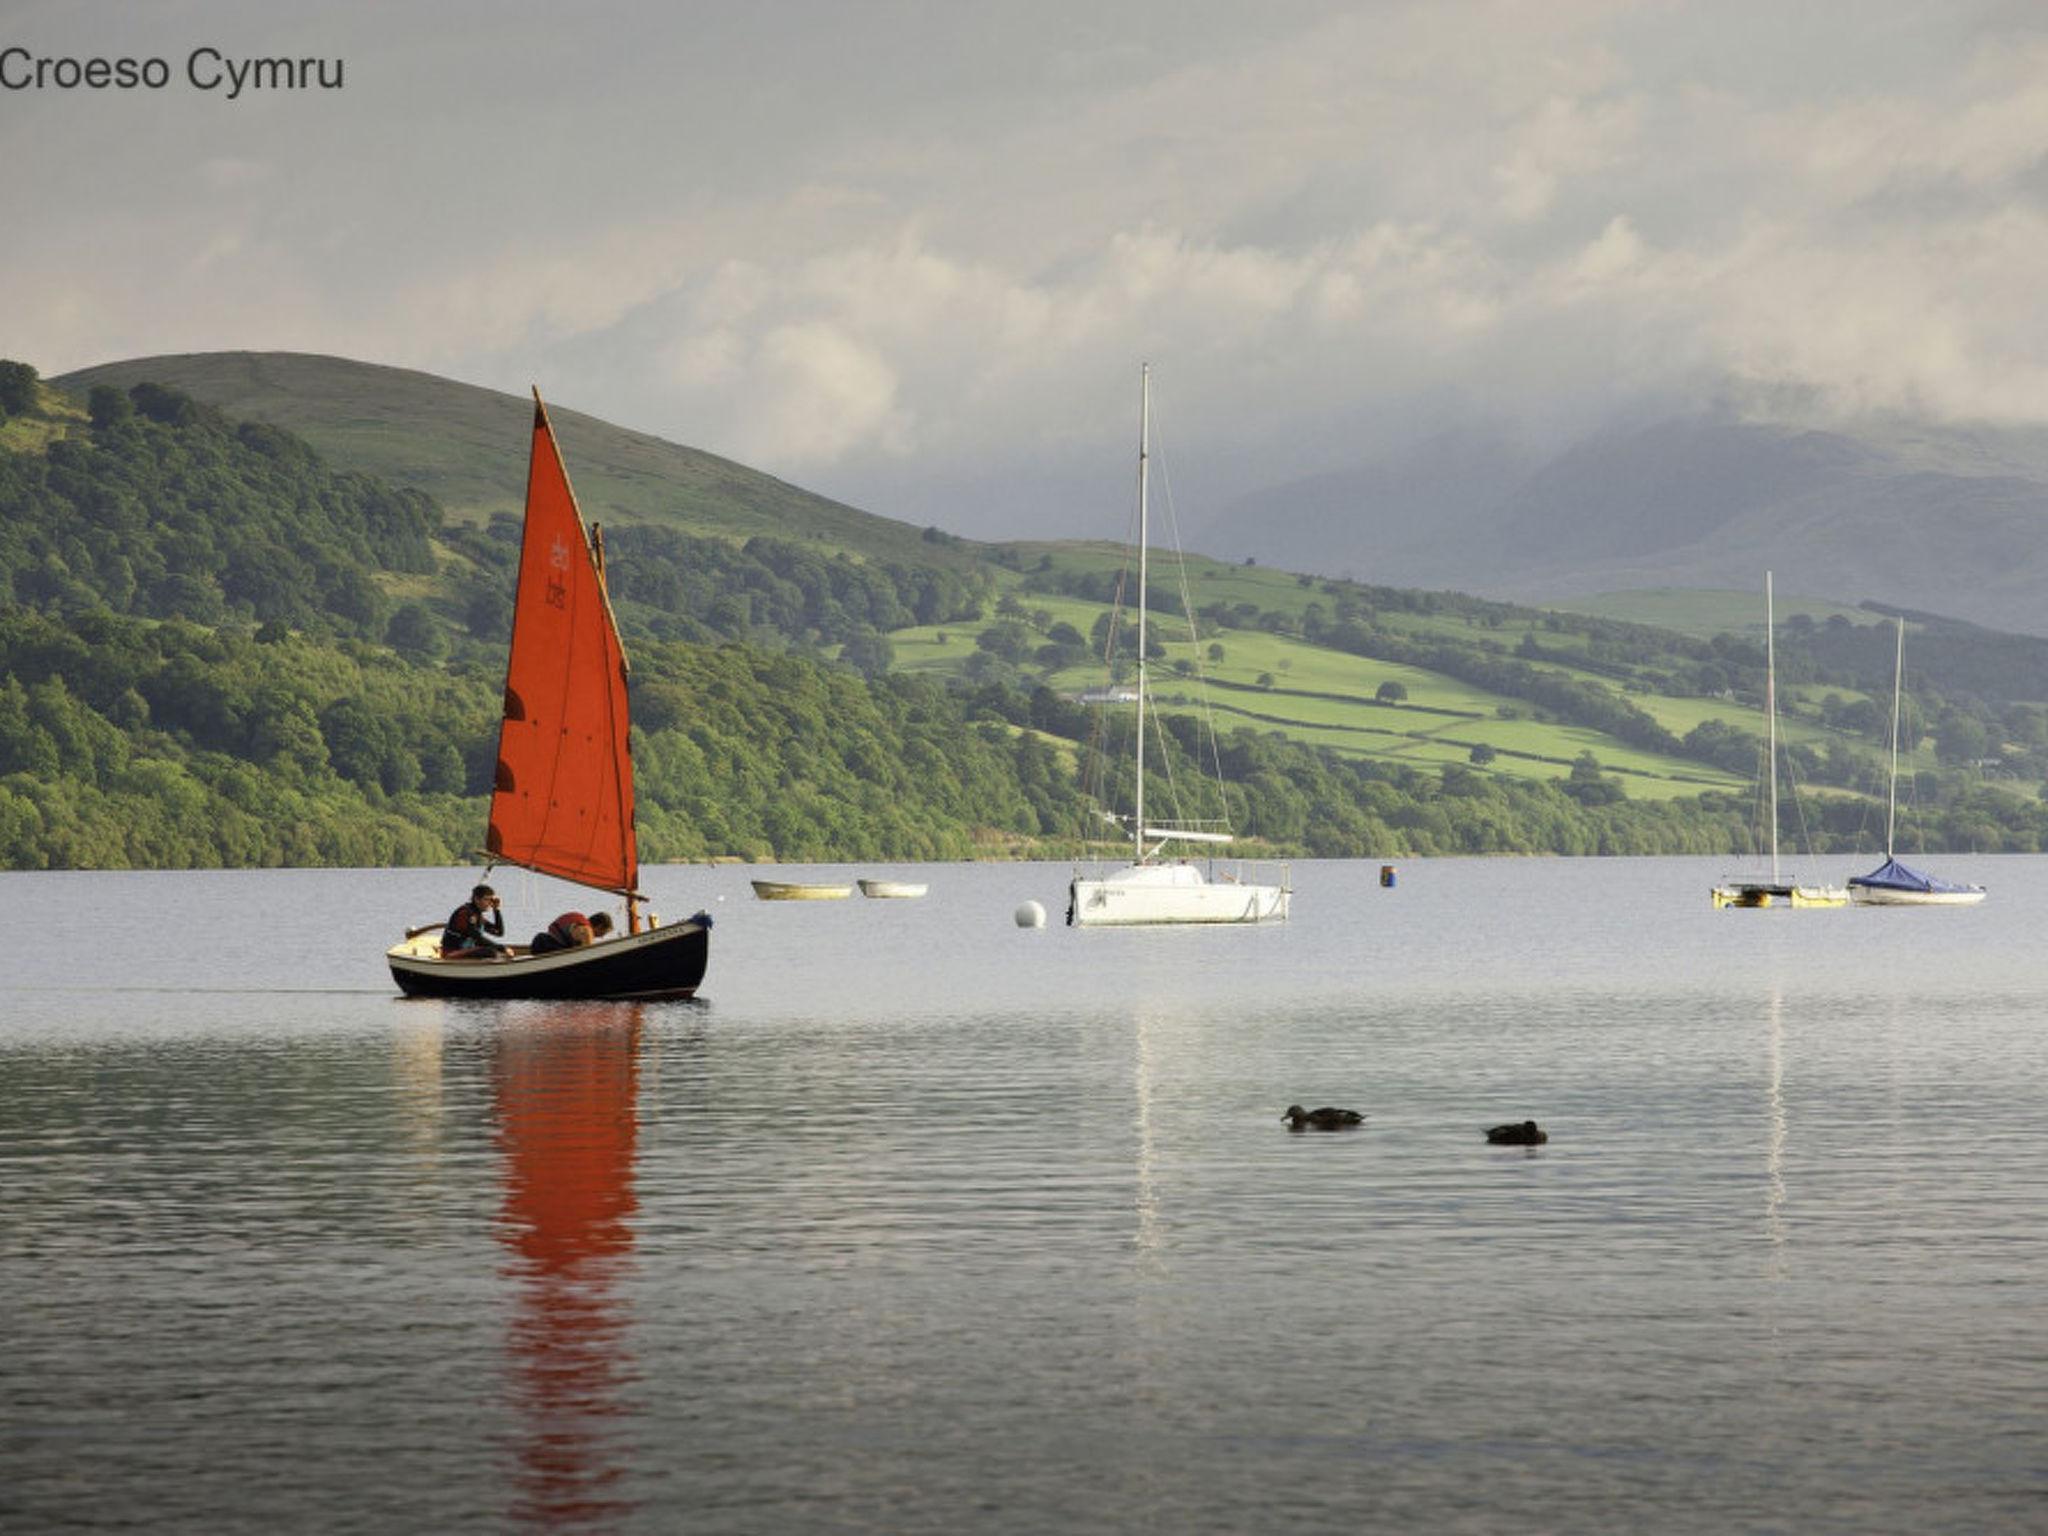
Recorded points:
(1031, 915)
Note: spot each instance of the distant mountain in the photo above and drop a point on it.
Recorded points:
(466, 447)
(1948, 521)
(1408, 520)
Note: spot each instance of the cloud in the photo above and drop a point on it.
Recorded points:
(1328, 225)
(1980, 125)
(827, 390)
(1564, 139)
(1947, 326)
(898, 347)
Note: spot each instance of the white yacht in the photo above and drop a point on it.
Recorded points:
(1187, 887)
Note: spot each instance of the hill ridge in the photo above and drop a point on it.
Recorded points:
(463, 444)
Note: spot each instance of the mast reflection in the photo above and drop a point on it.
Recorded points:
(1774, 1154)
(564, 1078)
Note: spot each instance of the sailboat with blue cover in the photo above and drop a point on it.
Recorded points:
(1893, 884)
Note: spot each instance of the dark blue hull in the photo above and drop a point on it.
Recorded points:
(661, 963)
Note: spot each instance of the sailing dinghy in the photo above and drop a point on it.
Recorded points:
(563, 802)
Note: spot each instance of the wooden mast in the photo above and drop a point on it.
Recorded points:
(604, 585)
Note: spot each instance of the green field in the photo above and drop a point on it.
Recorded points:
(1326, 698)
(1322, 696)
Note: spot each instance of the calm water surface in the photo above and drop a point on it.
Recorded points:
(919, 1221)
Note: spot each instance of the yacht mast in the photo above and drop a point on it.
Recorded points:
(1891, 809)
(1144, 466)
(1771, 711)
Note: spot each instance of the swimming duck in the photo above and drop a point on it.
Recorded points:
(1324, 1119)
(1526, 1134)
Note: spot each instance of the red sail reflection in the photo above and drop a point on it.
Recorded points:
(565, 1082)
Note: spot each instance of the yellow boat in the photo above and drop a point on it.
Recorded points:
(1760, 894)
(783, 890)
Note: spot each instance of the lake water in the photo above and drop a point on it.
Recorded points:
(919, 1221)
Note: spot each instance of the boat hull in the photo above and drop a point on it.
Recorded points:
(778, 890)
(1140, 897)
(660, 963)
(1819, 896)
(1877, 896)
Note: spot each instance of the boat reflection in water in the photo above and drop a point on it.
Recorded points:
(564, 1080)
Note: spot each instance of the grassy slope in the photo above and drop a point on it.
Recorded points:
(32, 434)
(466, 447)
(1440, 722)
(1327, 697)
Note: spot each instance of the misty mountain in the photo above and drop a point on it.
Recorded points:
(1947, 521)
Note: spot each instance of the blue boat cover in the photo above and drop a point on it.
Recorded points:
(1891, 875)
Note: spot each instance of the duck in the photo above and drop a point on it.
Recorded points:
(1324, 1119)
(1526, 1134)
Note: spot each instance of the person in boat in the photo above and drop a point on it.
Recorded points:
(570, 931)
(474, 927)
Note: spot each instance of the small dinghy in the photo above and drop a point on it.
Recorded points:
(892, 890)
(788, 890)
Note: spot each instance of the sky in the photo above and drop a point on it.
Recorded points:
(911, 255)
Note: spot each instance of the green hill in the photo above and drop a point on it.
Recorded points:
(466, 447)
(220, 644)
(216, 648)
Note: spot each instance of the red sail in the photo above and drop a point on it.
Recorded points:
(564, 798)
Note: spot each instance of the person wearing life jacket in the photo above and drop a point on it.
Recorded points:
(570, 931)
(473, 926)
